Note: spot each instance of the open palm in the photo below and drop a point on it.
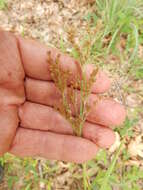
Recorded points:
(29, 125)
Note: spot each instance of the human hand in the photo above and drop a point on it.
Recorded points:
(29, 125)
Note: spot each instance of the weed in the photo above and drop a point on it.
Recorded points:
(69, 94)
(136, 69)
(118, 19)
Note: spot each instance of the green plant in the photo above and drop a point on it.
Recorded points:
(117, 20)
(3, 4)
(115, 173)
(93, 49)
(136, 69)
(74, 94)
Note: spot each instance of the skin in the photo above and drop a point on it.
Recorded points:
(29, 124)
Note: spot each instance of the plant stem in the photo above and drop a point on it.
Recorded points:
(85, 183)
(81, 109)
(111, 168)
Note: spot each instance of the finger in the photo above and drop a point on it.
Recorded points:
(36, 116)
(34, 57)
(102, 83)
(104, 137)
(106, 112)
(52, 146)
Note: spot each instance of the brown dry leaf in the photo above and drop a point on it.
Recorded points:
(132, 100)
(135, 147)
(134, 162)
(116, 144)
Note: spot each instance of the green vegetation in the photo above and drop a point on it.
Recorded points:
(119, 30)
(115, 36)
(3, 4)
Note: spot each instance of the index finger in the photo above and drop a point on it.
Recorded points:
(34, 57)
